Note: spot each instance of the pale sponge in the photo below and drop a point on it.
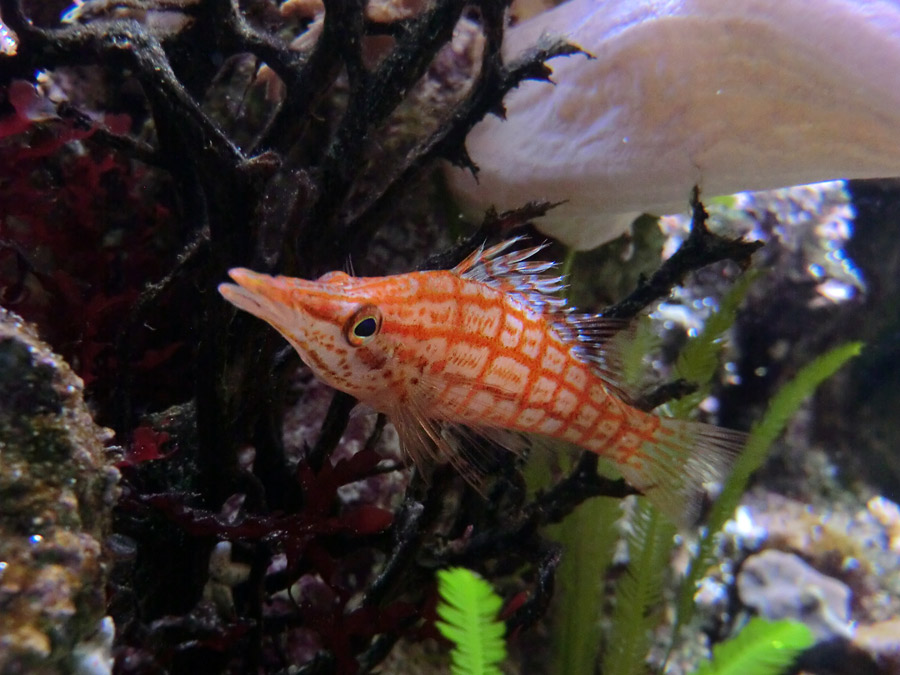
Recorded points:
(732, 95)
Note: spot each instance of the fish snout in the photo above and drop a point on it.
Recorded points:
(249, 279)
(277, 299)
(252, 292)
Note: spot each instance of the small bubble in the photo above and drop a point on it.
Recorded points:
(35, 539)
(710, 404)
(850, 563)
(761, 371)
(835, 291)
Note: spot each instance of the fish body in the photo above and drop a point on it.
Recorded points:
(485, 347)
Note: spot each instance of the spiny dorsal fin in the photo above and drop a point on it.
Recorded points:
(514, 273)
(591, 335)
(535, 284)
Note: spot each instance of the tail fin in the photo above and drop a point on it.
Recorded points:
(683, 457)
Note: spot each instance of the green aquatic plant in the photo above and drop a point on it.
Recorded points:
(761, 648)
(781, 408)
(698, 361)
(650, 540)
(634, 347)
(468, 612)
(588, 536)
(651, 537)
(639, 590)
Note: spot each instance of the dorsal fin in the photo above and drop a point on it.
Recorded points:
(514, 273)
(592, 336)
(535, 283)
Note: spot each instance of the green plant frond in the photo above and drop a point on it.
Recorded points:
(724, 201)
(699, 359)
(639, 591)
(468, 612)
(588, 536)
(761, 648)
(782, 406)
(633, 346)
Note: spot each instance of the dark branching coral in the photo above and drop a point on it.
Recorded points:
(298, 193)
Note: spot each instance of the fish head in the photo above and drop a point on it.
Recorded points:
(335, 324)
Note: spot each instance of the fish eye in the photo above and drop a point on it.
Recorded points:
(363, 325)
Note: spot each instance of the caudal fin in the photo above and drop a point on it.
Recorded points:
(676, 469)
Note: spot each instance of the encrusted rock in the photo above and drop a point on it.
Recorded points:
(57, 489)
(782, 586)
(882, 641)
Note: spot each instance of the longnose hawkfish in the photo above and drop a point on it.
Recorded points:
(490, 349)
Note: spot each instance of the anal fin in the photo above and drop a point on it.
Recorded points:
(471, 450)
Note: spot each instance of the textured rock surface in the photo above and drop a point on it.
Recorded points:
(782, 586)
(56, 493)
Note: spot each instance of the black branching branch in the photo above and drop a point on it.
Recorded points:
(700, 249)
(373, 98)
(535, 607)
(236, 35)
(333, 427)
(520, 536)
(316, 74)
(408, 530)
(494, 81)
(127, 145)
(123, 44)
(664, 393)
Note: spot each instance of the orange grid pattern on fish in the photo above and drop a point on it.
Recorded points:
(486, 346)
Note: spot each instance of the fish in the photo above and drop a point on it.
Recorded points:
(486, 351)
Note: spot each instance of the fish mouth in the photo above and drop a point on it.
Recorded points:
(241, 298)
(286, 303)
(250, 294)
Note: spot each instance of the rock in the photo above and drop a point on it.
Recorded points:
(782, 586)
(881, 641)
(57, 490)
